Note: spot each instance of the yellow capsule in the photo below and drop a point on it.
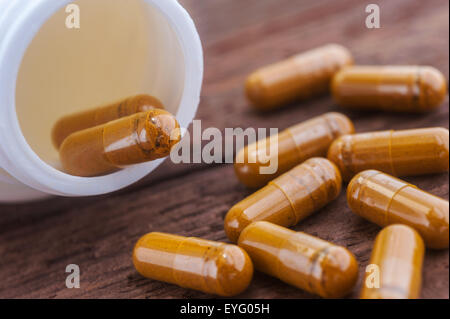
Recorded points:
(287, 199)
(301, 260)
(293, 146)
(134, 139)
(79, 121)
(297, 78)
(399, 153)
(395, 267)
(390, 88)
(208, 266)
(385, 200)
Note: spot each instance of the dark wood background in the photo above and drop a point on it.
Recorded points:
(38, 240)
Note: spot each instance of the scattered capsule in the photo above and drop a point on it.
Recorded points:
(293, 146)
(301, 260)
(208, 266)
(386, 200)
(288, 199)
(395, 269)
(399, 153)
(390, 88)
(134, 139)
(79, 121)
(297, 78)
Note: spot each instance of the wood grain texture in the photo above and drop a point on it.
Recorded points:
(38, 240)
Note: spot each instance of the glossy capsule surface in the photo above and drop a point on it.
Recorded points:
(293, 146)
(398, 153)
(390, 88)
(386, 200)
(134, 139)
(299, 77)
(204, 265)
(301, 260)
(287, 199)
(101, 115)
(398, 257)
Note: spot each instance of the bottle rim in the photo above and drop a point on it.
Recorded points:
(18, 27)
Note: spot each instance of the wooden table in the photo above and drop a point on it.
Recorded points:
(38, 240)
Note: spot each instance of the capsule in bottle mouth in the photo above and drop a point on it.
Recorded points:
(134, 139)
(72, 123)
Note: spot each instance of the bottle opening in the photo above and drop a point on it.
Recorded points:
(121, 48)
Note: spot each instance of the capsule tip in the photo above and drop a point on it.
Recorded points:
(164, 132)
(439, 238)
(139, 253)
(255, 92)
(433, 88)
(247, 168)
(355, 185)
(235, 223)
(342, 54)
(331, 175)
(340, 124)
(442, 137)
(235, 270)
(340, 272)
(336, 155)
(335, 85)
(400, 228)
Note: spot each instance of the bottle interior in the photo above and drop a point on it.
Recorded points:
(122, 48)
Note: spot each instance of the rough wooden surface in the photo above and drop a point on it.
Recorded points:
(38, 240)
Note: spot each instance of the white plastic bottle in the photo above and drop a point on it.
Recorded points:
(50, 68)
